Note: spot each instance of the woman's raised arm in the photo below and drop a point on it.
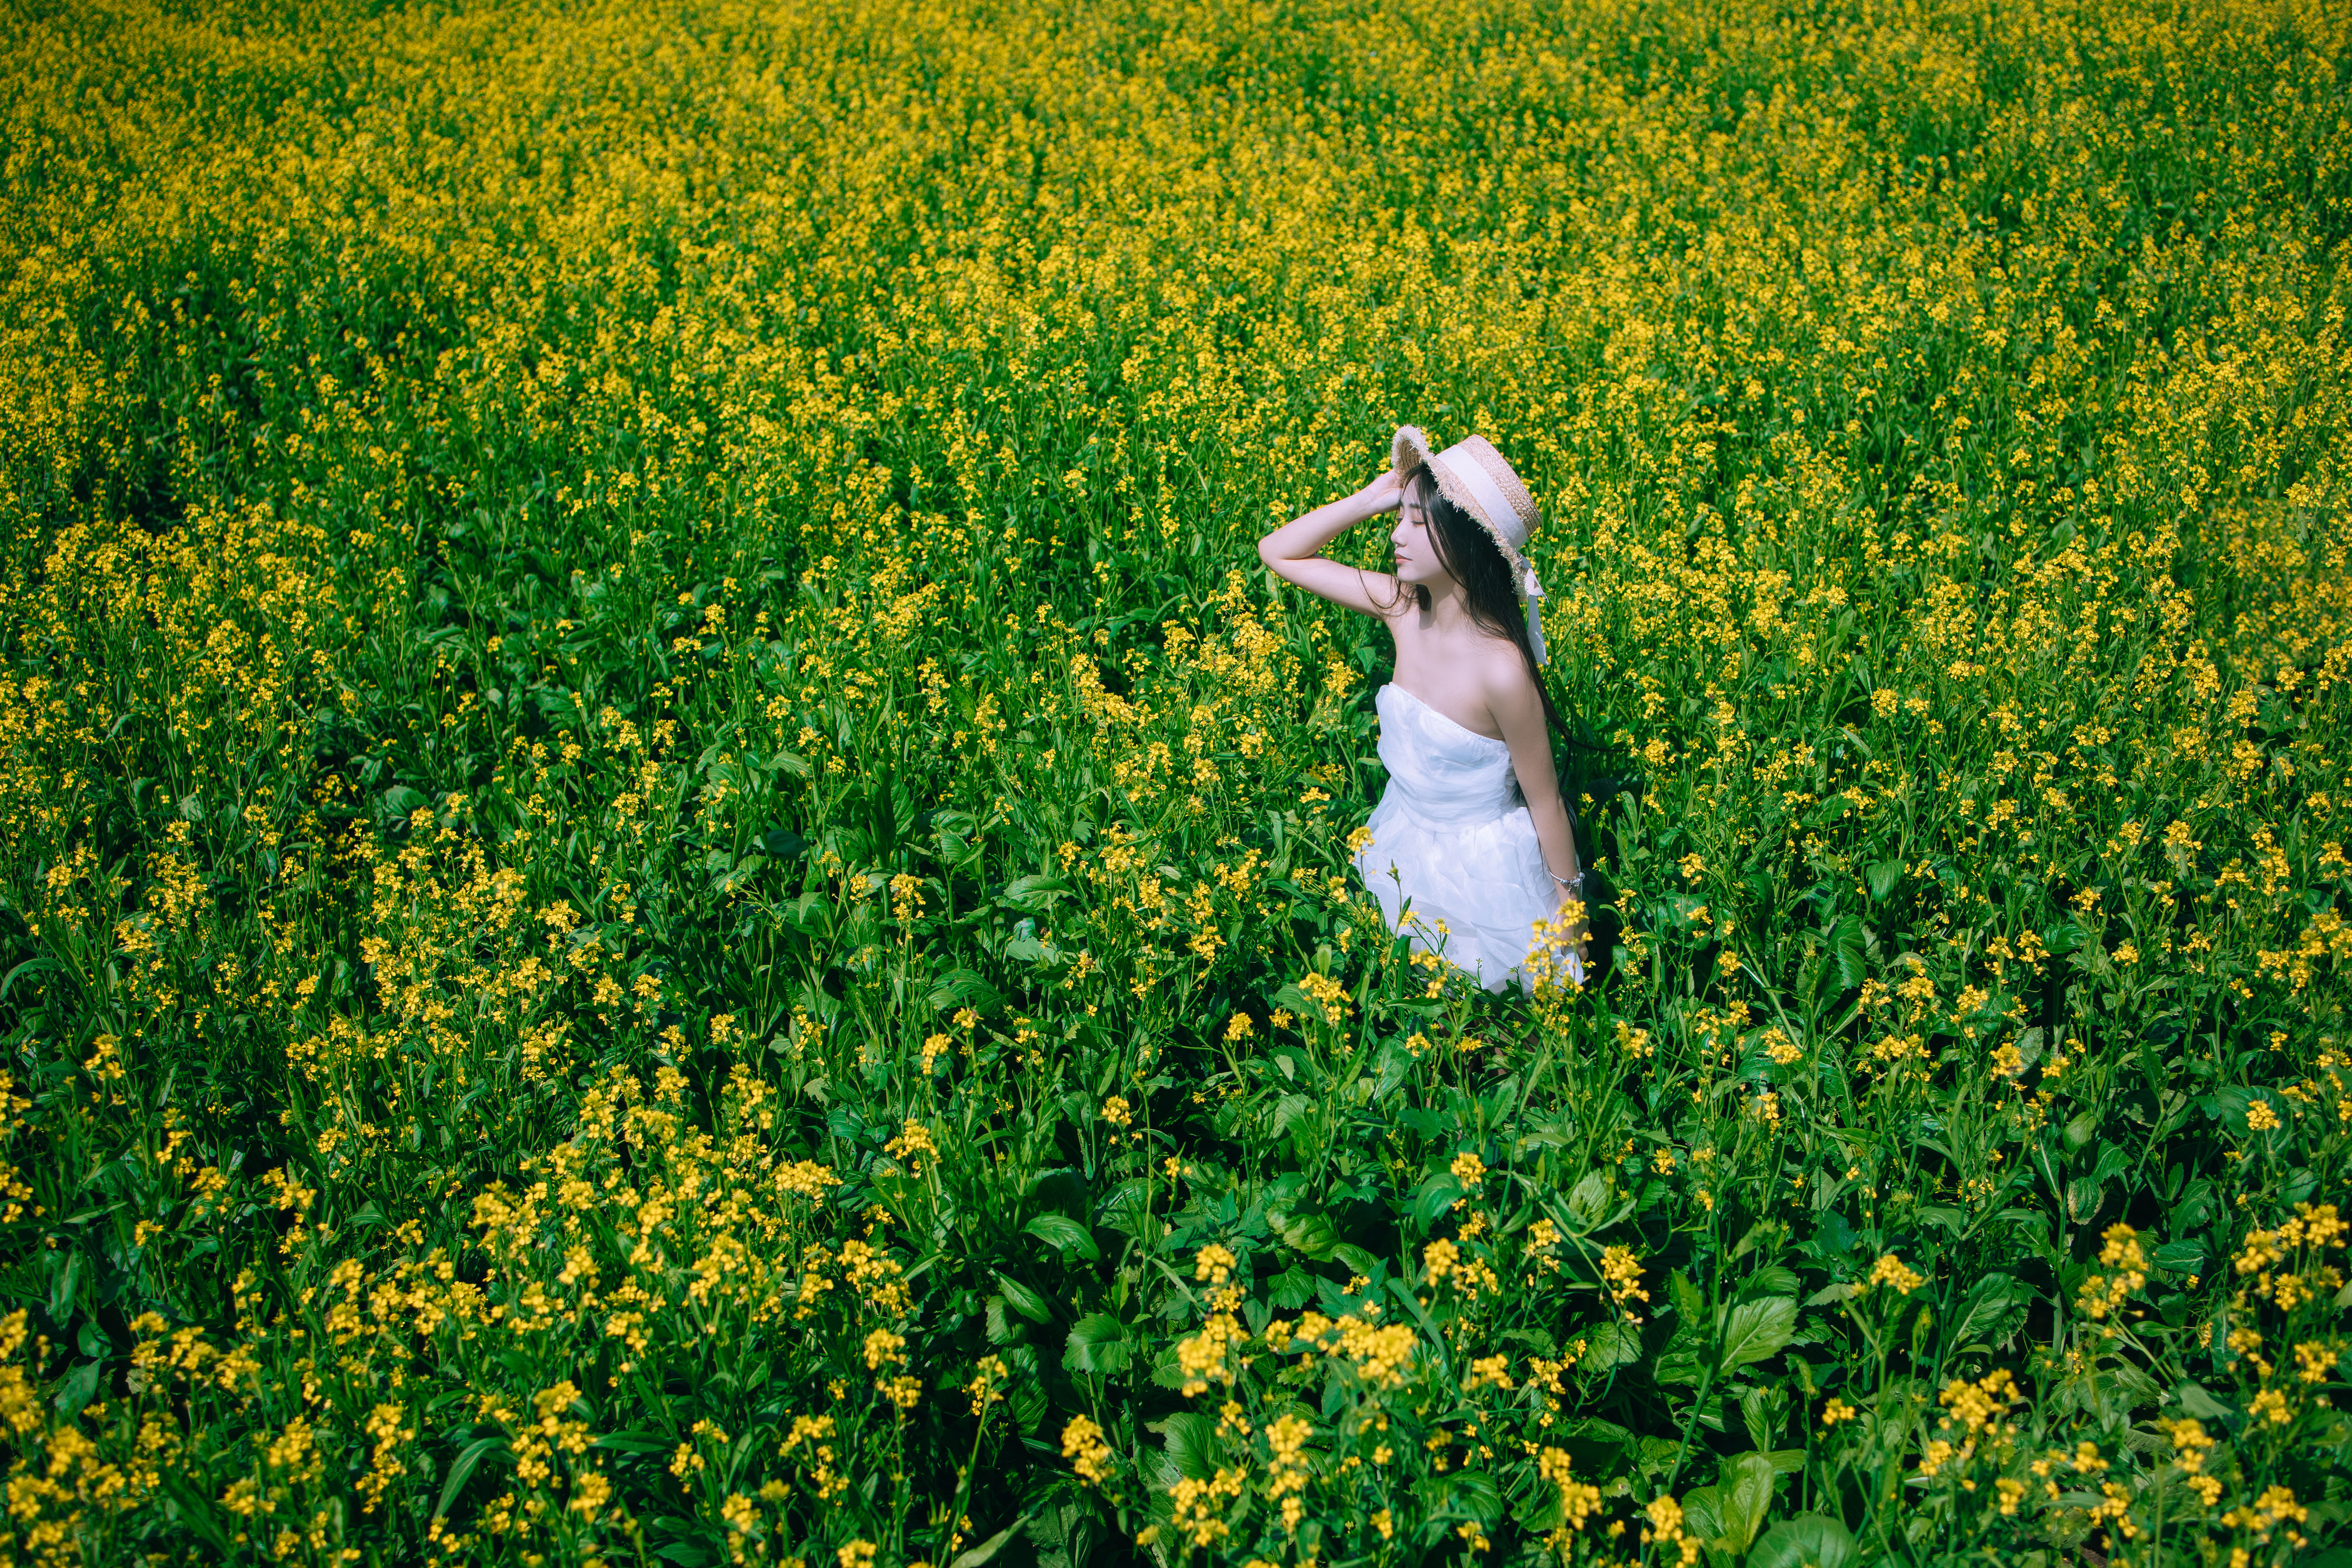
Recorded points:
(1292, 552)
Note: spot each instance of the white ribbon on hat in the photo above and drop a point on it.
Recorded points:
(1535, 618)
(1490, 499)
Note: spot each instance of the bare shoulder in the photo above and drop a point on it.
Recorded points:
(1504, 681)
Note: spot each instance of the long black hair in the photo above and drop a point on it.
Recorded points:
(1472, 558)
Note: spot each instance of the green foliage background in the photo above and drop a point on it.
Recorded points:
(669, 890)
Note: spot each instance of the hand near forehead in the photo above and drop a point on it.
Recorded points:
(1385, 493)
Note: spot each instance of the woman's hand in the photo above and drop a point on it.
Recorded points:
(1565, 940)
(1579, 929)
(1385, 493)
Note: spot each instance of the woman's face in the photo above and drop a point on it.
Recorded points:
(1417, 563)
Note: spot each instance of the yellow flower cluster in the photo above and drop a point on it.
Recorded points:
(2102, 1294)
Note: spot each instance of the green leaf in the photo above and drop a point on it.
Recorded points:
(1033, 895)
(1191, 1439)
(1098, 1344)
(1991, 1300)
(1588, 1201)
(1808, 1541)
(1610, 1344)
(1059, 1230)
(1884, 877)
(1845, 944)
(1126, 1207)
(1679, 1365)
(195, 1510)
(990, 1547)
(1950, 1219)
(1759, 1329)
(1466, 1494)
(78, 1388)
(1703, 1513)
(1437, 1194)
(460, 1469)
(1312, 1234)
(2201, 1405)
(962, 988)
(1023, 1299)
(1746, 1489)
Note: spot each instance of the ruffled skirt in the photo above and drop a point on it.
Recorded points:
(1472, 895)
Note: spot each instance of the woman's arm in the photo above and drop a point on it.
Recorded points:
(1291, 551)
(1511, 696)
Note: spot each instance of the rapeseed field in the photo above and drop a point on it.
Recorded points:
(671, 891)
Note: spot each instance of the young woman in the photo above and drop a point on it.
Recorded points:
(1471, 843)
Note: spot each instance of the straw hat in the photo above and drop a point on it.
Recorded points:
(1477, 478)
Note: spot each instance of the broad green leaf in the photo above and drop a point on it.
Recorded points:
(1437, 1194)
(1588, 1201)
(1023, 1299)
(1191, 1439)
(78, 1387)
(1747, 1490)
(1311, 1234)
(1990, 1301)
(1703, 1512)
(1288, 1110)
(1845, 944)
(1690, 1303)
(2201, 1405)
(1033, 895)
(1757, 1419)
(1059, 1230)
(1124, 1208)
(1466, 1494)
(989, 1548)
(1757, 1330)
(1808, 1541)
(1098, 1344)
(962, 988)
(1950, 1219)
(1610, 1344)
(461, 1468)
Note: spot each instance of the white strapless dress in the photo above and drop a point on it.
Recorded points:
(1452, 842)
